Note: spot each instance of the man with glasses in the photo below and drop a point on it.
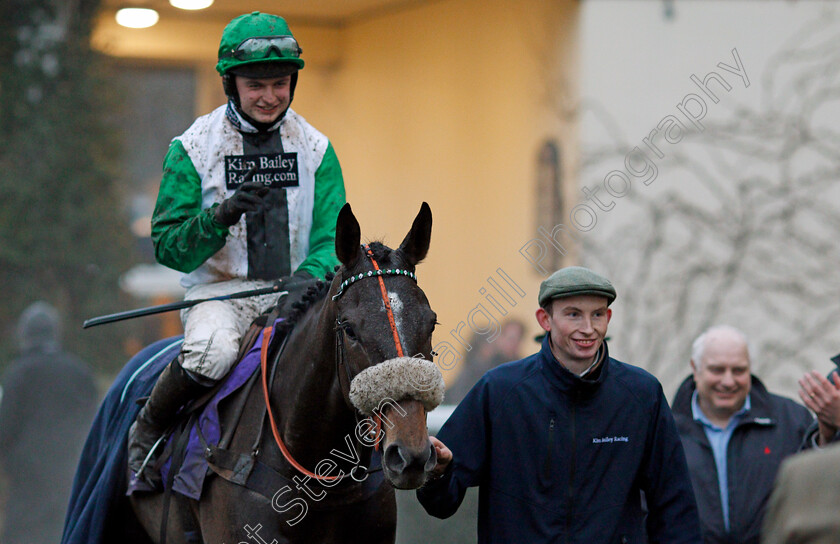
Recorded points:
(250, 194)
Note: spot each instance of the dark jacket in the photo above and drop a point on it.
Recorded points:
(771, 430)
(561, 459)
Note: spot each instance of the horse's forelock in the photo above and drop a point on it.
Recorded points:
(380, 251)
(393, 257)
(386, 258)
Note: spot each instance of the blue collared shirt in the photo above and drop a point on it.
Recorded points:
(719, 440)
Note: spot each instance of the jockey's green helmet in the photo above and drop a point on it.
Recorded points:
(258, 45)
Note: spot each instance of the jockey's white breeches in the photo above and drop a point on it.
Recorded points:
(213, 330)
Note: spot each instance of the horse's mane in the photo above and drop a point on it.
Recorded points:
(308, 298)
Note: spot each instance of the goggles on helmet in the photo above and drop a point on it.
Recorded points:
(260, 47)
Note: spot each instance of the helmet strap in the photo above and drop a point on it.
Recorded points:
(229, 85)
(292, 85)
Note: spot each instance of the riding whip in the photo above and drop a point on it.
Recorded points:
(278, 287)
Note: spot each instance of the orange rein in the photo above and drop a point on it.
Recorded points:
(283, 449)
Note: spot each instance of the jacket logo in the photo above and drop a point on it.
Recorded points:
(610, 439)
(275, 170)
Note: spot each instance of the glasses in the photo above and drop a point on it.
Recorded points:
(260, 47)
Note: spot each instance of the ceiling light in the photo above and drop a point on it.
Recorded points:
(191, 4)
(137, 17)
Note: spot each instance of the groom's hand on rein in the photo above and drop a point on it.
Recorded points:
(444, 457)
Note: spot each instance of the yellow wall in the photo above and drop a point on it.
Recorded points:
(446, 104)
(449, 103)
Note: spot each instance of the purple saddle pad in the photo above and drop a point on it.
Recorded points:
(190, 477)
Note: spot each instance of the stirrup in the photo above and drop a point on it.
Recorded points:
(139, 473)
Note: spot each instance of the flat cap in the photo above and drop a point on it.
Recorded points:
(573, 281)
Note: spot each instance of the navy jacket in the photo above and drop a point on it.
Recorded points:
(769, 432)
(561, 459)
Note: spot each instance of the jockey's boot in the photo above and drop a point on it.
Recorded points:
(174, 388)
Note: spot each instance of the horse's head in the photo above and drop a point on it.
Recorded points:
(384, 333)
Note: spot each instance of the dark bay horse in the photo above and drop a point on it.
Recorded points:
(362, 348)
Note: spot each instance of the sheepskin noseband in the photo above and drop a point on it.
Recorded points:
(397, 379)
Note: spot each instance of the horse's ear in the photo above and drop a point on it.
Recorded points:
(348, 236)
(416, 243)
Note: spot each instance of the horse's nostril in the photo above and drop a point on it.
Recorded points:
(400, 459)
(394, 459)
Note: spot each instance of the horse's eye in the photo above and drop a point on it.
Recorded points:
(348, 330)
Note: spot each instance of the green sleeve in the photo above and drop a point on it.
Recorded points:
(183, 234)
(329, 198)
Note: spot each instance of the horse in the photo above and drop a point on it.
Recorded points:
(346, 412)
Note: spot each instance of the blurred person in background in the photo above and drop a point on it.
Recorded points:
(735, 434)
(48, 403)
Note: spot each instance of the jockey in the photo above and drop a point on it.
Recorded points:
(250, 194)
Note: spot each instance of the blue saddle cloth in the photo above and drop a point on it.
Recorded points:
(99, 511)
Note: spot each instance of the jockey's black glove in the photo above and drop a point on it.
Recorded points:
(301, 275)
(247, 198)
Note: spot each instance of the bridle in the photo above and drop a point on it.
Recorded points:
(341, 358)
(341, 325)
